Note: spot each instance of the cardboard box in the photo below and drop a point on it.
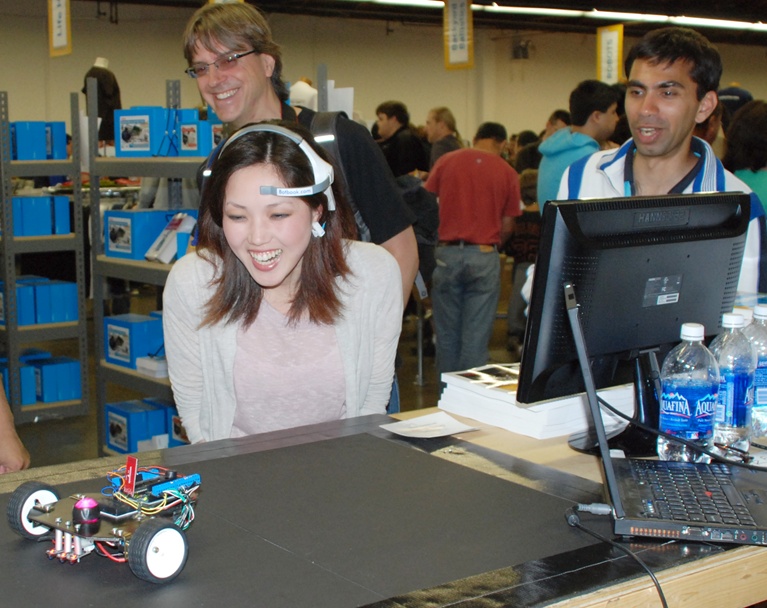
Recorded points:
(18, 218)
(130, 336)
(33, 354)
(57, 379)
(64, 374)
(196, 136)
(165, 246)
(70, 388)
(55, 141)
(28, 386)
(145, 131)
(216, 133)
(28, 140)
(129, 423)
(40, 215)
(44, 302)
(25, 304)
(176, 432)
(64, 296)
(54, 301)
(32, 215)
(47, 375)
(60, 214)
(130, 234)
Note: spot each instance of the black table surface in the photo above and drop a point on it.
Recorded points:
(348, 514)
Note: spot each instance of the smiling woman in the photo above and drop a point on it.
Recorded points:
(277, 320)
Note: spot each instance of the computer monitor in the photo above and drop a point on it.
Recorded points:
(641, 267)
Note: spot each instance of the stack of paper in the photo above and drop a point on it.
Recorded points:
(157, 367)
(488, 394)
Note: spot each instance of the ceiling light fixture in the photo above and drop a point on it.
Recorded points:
(592, 14)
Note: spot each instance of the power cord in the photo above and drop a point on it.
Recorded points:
(573, 520)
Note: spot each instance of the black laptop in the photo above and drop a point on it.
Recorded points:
(715, 502)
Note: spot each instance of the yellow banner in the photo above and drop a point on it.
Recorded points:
(610, 54)
(459, 35)
(59, 28)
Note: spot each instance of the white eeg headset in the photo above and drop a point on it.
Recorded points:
(323, 171)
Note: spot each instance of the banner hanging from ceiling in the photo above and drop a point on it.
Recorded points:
(458, 27)
(610, 53)
(59, 28)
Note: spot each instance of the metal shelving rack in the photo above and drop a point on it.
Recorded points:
(151, 273)
(12, 336)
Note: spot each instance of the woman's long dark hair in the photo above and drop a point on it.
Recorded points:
(237, 297)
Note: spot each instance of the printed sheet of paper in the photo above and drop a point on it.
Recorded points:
(431, 425)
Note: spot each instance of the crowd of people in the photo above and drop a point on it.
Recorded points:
(282, 317)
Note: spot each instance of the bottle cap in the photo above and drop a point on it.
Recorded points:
(760, 311)
(694, 332)
(731, 320)
(745, 312)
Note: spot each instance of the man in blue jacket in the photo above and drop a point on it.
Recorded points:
(593, 112)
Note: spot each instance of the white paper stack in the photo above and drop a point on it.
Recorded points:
(488, 394)
(156, 367)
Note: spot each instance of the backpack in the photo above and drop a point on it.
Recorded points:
(325, 131)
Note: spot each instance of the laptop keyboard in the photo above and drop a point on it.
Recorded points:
(685, 492)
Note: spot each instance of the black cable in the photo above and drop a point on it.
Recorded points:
(571, 516)
(743, 463)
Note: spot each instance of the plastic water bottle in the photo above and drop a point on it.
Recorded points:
(689, 384)
(756, 332)
(737, 363)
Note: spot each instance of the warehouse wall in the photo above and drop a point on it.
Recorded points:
(380, 60)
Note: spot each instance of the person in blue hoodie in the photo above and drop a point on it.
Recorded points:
(593, 112)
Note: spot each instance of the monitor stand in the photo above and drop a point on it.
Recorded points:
(633, 440)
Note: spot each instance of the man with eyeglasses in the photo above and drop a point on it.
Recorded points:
(238, 70)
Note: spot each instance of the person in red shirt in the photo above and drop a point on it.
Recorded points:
(479, 198)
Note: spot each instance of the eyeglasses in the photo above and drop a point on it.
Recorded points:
(223, 63)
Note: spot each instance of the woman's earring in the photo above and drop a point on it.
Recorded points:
(317, 229)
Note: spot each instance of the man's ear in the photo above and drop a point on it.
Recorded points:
(268, 62)
(706, 106)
